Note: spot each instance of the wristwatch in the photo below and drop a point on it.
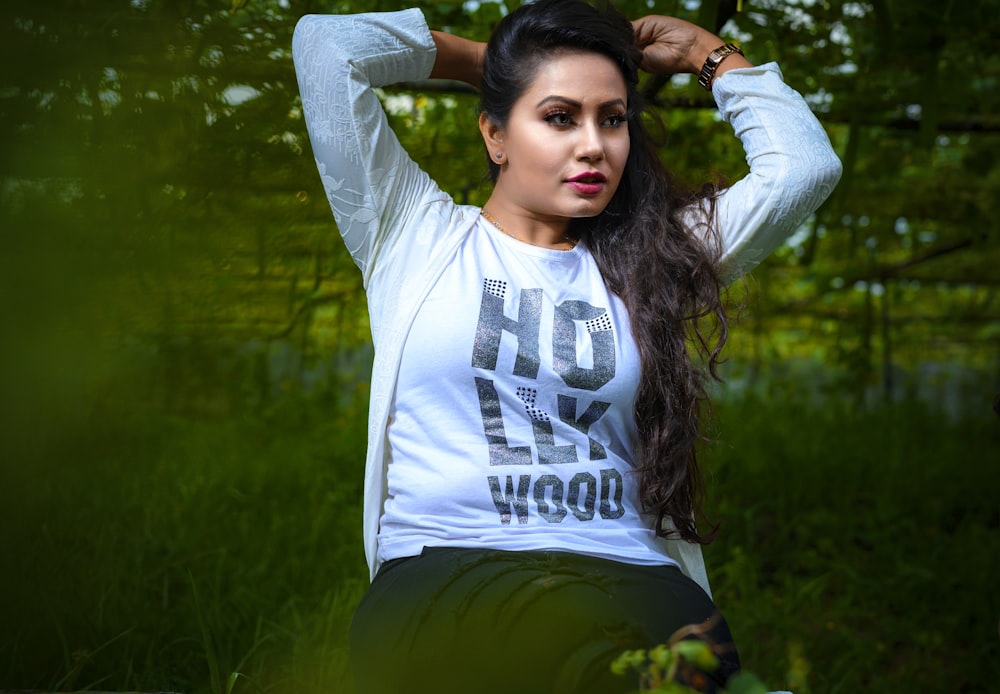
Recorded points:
(713, 61)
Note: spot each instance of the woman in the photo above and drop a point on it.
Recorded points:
(531, 482)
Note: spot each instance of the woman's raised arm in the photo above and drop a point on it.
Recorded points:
(458, 58)
(370, 181)
(793, 167)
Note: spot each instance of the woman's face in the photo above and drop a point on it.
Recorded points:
(566, 140)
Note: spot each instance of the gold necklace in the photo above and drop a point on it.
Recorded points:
(496, 222)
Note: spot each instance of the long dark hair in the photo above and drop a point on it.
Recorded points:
(663, 267)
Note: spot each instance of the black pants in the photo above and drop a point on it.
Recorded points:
(484, 621)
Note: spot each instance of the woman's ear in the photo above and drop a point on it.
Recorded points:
(493, 135)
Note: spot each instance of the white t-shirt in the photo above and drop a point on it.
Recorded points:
(512, 426)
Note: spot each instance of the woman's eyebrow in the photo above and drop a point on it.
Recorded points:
(563, 99)
(576, 104)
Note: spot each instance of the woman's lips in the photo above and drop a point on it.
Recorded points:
(590, 183)
(586, 188)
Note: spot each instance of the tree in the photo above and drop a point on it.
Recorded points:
(158, 183)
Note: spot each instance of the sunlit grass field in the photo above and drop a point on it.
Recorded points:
(858, 550)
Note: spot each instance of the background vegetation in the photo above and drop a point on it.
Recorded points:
(185, 349)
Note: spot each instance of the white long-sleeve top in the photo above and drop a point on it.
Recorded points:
(402, 230)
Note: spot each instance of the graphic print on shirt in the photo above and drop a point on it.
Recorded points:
(555, 496)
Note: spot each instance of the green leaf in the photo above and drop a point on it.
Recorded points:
(745, 683)
(697, 653)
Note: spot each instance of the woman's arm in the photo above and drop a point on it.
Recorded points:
(458, 58)
(370, 181)
(793, 168)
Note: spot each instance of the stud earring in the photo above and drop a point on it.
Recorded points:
(499, 156)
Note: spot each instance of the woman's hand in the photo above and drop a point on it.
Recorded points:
(671, 45)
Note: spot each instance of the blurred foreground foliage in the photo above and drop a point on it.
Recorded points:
(143, 551)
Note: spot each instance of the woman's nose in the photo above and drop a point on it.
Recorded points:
(591, 144)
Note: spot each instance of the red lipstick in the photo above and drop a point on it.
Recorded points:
(588, 183)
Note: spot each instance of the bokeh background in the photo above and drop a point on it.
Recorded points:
(185, 349)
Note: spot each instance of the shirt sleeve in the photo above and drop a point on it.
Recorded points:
(793, 167)
(370, 181)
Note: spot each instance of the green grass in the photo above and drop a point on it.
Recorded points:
(858, 550)
(169, 553)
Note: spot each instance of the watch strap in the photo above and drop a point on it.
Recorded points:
(713, 61)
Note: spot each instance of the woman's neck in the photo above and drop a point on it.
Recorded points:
(527, 227)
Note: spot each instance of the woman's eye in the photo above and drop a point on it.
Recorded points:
(559, 118)
(616, 121)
